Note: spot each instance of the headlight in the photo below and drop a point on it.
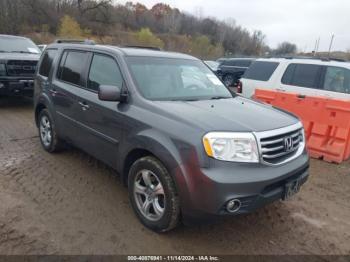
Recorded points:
(2, 70)
(234, 147)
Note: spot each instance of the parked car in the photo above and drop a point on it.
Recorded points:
(18, 60)
(213, 65)
(231, 70)
(42, 47)
(222, 59)
(315, 77)
(178, 149)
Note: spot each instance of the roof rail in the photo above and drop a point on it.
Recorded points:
(75, 41)
(333, 59)
(293, 57)
(311, 57)
(143, 47)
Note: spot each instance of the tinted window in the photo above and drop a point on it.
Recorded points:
(288, 74)
(303, 75)
(337, 79)
(229, 63)
(243, 63)
(261, 70)
(104, 71)
(46, 63)
(72, 66)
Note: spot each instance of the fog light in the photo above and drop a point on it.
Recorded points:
(1, 85)
(233, 205)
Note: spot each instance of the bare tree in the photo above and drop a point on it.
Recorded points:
(285, 48)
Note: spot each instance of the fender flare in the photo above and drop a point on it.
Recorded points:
(47, 103)
(155, 142)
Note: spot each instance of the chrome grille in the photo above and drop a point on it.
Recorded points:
(276, 147)
(21, 68)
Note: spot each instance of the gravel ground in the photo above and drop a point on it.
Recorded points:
(69, 203)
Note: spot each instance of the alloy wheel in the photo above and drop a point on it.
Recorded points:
(45, 130)
(149, 195)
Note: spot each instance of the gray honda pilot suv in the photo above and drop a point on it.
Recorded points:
(183, 144)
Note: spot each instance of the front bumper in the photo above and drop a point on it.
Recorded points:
(16, 86)
(206, 191)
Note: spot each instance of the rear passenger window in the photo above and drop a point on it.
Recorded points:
(261, 70)
(244, 63)
(288, 74)
(229, 63)
(337, 79)
(47, 61)
(72, 65)
(104, 71)
(303, 75)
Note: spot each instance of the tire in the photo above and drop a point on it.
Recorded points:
(51, 143)
(162, 212)
(228, 80)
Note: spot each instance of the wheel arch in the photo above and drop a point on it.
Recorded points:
(39, 107)
(131, 157)
(43, 102)
(150, 143)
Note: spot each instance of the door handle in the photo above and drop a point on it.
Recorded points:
(84, 105)
(53, 92)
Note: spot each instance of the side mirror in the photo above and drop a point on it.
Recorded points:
(109, 93)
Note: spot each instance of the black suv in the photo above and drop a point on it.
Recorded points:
(18, 60)
(161, 120)
(231, 70)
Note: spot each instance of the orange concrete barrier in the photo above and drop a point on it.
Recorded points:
(326, 122)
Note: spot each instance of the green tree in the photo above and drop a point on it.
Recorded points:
(202, 47)
(146, 38)
(70, 28)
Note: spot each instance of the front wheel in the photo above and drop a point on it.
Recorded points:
(153, 195)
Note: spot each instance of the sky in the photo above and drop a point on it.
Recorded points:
(297, 21)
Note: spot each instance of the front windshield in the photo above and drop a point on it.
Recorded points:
(175, 79)
(17, 45)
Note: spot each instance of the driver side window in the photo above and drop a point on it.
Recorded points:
(104, 71)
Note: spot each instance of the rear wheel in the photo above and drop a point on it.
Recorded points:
(153, 195)
(47, 133)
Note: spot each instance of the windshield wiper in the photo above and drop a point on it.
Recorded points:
(23, 52)
(185, 100)
(219, 97)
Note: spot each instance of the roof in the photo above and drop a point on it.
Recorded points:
(126, 51)
(314, 61)
(129, 51)
(13, 36)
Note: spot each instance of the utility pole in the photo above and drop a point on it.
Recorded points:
(317, 44)
(315, 47)
(330, 46)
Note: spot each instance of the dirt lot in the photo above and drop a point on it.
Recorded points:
(69, 203)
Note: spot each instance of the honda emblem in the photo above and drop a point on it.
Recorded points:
(288, 144)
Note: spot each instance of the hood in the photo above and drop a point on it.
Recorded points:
(19, 56)
(234, 114)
